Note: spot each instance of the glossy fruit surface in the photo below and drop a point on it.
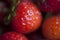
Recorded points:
(13, 36)
(27, 19)
(51, 27)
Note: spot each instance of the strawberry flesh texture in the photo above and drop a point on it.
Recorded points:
(27, 18)
(51, 28)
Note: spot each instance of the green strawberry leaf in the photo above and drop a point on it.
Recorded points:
(14, 2)
(8, 18)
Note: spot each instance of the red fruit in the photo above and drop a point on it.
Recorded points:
(49, 5)
(27, 19)
(56, 12)
(13, 36)
(51, 28)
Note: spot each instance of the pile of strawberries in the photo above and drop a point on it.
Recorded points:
(29, 19)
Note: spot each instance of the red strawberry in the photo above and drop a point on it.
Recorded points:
(49, 5)
(13, 36)
(51, 28)
(27, 17)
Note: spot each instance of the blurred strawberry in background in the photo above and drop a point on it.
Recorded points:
(51, 28)
(26, 18)
(13, 36)
(49, 5)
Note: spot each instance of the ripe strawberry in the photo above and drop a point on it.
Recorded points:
(27, 17)
(49, 5)
(13, 36)
(51, 28)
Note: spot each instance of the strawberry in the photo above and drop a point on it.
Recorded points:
(13, 36)
(51, 28)
(27, 17)
(49, 5)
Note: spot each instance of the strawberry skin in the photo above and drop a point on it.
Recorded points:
(13, 36)
(27, 18)
(49, 5)
(51, 28)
